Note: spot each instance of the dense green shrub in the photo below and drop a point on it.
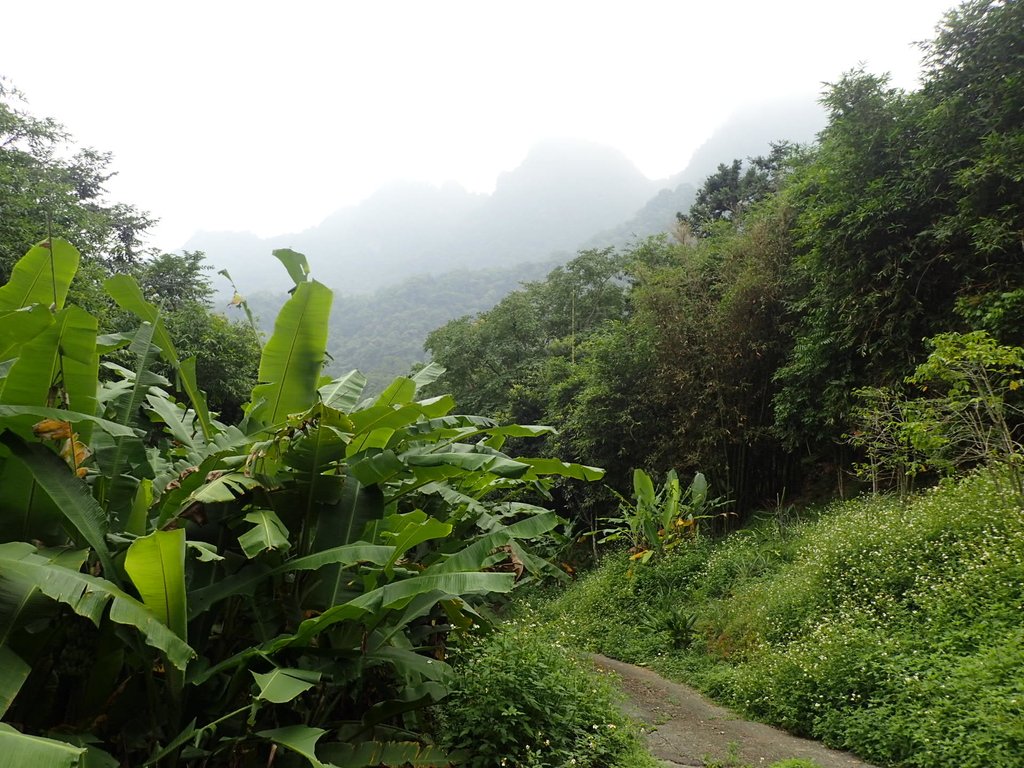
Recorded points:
(522, 700)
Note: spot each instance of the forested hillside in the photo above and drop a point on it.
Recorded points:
(802, 278)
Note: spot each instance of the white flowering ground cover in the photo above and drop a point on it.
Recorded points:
(893, 630)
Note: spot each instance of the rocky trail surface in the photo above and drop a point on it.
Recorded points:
(686, 729)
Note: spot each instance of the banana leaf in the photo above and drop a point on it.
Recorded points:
(281, 685)
(13, 673)
(343, 393)
(41, 276)
(292, 359)
(89, 596)
(68, 493)
(125, 291)
(156, 566)
(63, 357)
(19, 326)
(20, 749)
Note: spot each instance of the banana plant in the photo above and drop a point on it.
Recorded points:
(656, 520)
(210, 592)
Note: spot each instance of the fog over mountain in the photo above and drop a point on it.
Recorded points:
(561, 194)
(413, 256)
(566, 194)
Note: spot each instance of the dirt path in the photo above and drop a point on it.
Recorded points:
(686, 728)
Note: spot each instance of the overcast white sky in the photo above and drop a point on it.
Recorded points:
(269, 116)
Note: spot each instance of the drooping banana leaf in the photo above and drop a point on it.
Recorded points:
(281, 685)
(20, 749)
(41, 276)
(502, 466)
(238, 301)
(246, 579)
(268, 532)
(68, 493)
(540, 467)
(343, 393)
(300, 739)
(292, 359)
(475, 554)
(89, 596)
(441, 587)
(428, 374)
(13, 673)
(393, 594)
(175, 417)
(21, 602)
(18, 415)
(295, 263)
(413, 533)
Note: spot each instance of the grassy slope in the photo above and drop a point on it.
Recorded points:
(896, 631)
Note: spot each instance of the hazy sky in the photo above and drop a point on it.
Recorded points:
(269, 116)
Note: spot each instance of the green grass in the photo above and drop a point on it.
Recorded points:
(893, 630)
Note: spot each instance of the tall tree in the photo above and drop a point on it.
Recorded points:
(44, 190)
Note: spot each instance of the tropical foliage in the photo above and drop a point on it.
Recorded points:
(175, 589)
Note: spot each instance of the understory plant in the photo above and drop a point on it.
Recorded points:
(179, 591)
(656, 521)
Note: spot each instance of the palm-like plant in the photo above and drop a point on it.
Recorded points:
(284, 583)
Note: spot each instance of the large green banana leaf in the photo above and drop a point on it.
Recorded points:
(89, 596)
(246, 579)
(19, 749)
(19, 326)
(300, 739)
(68, 493)
(23, 415)
(281, 685)
(41, 276)
(295, 263)
(394, 594)
(293, 357)
(62, 356)
(343, 393)
(13, 672)
(156, 566)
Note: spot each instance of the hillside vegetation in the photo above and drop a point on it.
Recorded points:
(804, 288)
(893, 630)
